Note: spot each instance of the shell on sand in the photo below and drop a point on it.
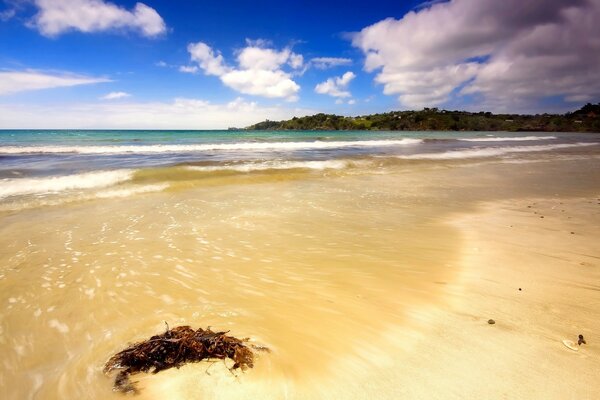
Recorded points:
(571, 345)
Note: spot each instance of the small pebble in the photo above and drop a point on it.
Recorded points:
(581, 340)
(572, 233)
(491, 321)
(541, 216)
(519, 289)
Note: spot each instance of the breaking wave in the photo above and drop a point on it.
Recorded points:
(489, 151)
(508, 139)
(54, 184)
(267, 165)
(183, 148)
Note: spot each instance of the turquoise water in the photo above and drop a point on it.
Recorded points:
(100, 137)
(38, 162)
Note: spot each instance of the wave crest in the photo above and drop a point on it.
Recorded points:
(183, 148)
(54, 184)
(490, 151)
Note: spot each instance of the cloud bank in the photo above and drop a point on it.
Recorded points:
(260, 70)
(181, 113)
(510, 53)
(26, 80)
(55, 17)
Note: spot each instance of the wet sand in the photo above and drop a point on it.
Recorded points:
(509, 246)
(539, 283)
(363, 284)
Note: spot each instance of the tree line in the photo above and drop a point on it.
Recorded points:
(586, 119)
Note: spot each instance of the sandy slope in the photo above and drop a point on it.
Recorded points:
(449, 351)
(508, 245)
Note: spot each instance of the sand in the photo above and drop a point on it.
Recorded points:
(509, 246)
(364, 285)
(448, 350)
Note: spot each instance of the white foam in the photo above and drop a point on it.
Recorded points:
(181, 148)
(508, 139)
(490, 151)
(267, 165)
(126, 192)
(59, 326)
(53, 184)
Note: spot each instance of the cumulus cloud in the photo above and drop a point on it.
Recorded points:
(336, 86)
(260, 70)
(55, 17)
(511, 53)
(180, 113)
(26, 80)
(115, 96)
(188, 69)
(329, 62)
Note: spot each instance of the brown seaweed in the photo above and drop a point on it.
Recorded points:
(175, 348)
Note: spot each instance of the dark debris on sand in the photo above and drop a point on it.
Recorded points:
(175, 348)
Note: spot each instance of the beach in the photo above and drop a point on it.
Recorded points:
(368, 266)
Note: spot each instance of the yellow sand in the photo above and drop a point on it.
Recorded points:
(448, 350)
(367, 285)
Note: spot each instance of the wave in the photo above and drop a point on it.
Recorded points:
(507, 139)
(267, 165)
(182, 148)
(53, 184)
(490, 151)
(126, 192)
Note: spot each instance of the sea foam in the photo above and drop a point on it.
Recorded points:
(182, 148)
(490, 151)
(126, 192)
(276, 164)
(54, 184)
(508, 139)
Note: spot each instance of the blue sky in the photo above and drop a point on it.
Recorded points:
(191, 64)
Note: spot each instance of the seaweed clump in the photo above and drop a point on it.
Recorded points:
(174, 348)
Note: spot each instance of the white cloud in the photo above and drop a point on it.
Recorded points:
(55, 17)
(188, 69)
(296, 61)
(181, 113)
(349, 102)
(26, 80)
(7, 14)
(330, 62)
(336, 86)
(212, 63)
(510, 53)
(259, 72)
(115, 96)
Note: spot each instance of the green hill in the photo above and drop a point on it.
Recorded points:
(586, 119)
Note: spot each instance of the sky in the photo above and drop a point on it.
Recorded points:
(160, 64)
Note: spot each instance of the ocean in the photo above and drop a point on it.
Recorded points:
(82, 163)
(317, 245)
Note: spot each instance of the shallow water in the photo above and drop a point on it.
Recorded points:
(317, 257)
